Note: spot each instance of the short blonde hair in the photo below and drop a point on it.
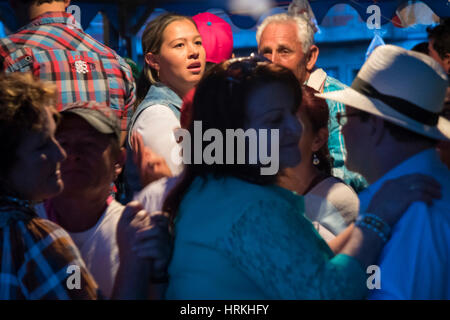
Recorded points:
(23, 101)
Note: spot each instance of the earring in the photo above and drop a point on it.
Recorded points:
(316, 160)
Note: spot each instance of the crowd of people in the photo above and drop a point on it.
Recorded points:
(101, 199)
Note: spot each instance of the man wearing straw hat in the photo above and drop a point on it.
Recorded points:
(391, 127)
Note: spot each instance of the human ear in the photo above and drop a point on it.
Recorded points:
(320, 139)
(152, 60)
(118, 166)
(313, 55)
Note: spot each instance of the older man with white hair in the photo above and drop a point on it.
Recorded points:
(391, 126)
(288, 40)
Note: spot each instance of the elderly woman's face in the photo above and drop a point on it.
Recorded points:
(36, 174)
(270, 107)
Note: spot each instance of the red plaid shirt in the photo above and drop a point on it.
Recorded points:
(38, 259)
(54, 47)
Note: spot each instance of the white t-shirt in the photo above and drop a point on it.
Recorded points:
(98, 246)
(152, 196)
(157, 125)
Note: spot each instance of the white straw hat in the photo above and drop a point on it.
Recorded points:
(404, 87)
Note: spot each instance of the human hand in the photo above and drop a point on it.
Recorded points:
(151, 166)
(133, 218)
(396, 195)
(154, 242)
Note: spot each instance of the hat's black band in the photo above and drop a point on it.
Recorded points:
(398, 104)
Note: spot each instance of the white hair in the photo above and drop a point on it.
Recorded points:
(305, 28)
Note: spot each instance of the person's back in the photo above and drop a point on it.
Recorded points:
(245, 245)
(200, 257)
(54, 48)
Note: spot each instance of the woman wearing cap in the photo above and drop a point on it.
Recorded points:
(39, 259)
(174, 63)
(237, 234)
(328, 200)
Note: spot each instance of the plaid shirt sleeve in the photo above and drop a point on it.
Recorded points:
(39, 260)
(130, 97)
(82, 68)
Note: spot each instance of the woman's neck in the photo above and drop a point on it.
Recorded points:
(299, 178)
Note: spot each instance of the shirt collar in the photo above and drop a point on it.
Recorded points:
(52, 18)
(317, 79)
(422, 162)
(161, 91)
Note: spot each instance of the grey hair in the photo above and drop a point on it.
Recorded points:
(305, 28)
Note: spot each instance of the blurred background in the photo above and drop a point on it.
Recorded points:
(343, 34)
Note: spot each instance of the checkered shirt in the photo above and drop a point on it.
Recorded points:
(54, 48)
(38, 259)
